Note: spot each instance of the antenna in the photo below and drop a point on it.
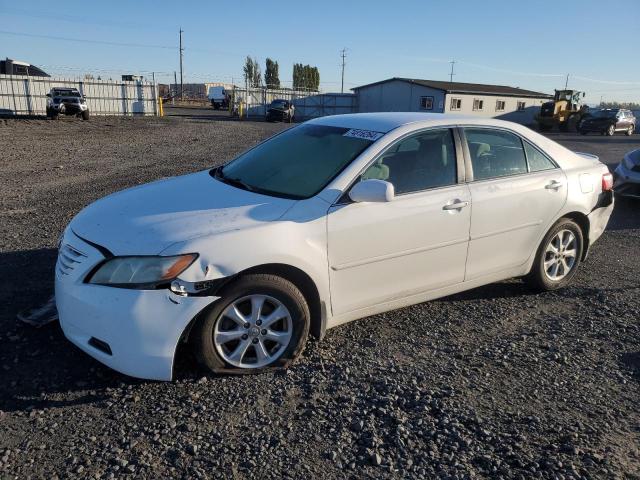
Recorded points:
(452, 62)
(343, 54)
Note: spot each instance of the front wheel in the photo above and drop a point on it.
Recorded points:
(630, 130)
(558, 257)
(261, 322)
(611, 130)
(85, 115)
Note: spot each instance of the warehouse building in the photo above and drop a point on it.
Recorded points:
(414, 95)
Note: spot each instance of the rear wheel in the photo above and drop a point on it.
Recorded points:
(261, 322)
(558, 256)
(611, 130)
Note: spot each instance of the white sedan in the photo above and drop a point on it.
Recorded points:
(333, 220)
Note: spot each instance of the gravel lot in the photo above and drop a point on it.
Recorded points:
(495, 382)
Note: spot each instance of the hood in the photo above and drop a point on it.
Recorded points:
(145, 220)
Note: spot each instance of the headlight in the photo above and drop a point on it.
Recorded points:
(145, 273)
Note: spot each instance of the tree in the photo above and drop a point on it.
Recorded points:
(627, 105)
(271, 74)
(305, 77)
(248, 70)
(251, 71)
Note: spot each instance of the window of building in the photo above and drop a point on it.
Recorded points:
(500, 104)
(495, 153)
(538, 161)
(478, 104)
(426, 103)
(420, 162)
(456, 103)
(521, 106)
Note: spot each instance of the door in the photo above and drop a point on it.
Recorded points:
(516, 192)
(417, 242)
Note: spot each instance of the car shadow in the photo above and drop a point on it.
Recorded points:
(626, 214)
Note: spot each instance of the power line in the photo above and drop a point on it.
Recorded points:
(82, 40)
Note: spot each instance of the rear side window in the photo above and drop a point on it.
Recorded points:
(538, 161)
(495, 153)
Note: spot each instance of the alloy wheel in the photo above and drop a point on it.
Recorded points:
(560, 255)
(253, 331)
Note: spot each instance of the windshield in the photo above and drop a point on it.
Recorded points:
(278, 103)
(299, 162)
(605, 114)
(66, 93)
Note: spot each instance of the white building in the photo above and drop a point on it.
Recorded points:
(414, 95)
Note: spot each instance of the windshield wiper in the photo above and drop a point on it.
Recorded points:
(236, 182)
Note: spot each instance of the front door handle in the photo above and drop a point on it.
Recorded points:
(553, 185)
(456, 205)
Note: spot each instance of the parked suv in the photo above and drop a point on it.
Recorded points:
(608, 121)
(66, 101)
(280, 109)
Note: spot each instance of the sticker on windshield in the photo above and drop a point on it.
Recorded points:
(363, 134)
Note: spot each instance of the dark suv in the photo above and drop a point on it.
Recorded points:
(280, 109)
(608, 121)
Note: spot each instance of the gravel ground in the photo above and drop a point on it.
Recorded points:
(495, 382)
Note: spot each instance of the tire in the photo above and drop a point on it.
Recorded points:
(611, 130)
(275, 292)
(630, 130)
(85, 115)
(539, 278)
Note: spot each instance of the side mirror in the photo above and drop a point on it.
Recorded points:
(372, 191)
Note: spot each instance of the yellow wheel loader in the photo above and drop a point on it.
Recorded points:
(566, 110)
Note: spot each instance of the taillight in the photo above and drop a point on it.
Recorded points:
(607, 182)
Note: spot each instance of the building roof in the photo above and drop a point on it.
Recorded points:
(460, 87)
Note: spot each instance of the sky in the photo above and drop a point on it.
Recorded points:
(528, 44)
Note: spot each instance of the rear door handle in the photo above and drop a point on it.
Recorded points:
(457, 205)
(553, 185)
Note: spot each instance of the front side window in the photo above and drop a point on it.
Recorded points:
(419, 162)
(299, 162)
(495, 153)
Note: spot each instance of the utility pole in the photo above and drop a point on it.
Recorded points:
(175, 85)
(181, 50)
(566, 83)
(452, 62)
(343, 54)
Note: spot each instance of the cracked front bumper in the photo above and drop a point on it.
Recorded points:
(135, 332)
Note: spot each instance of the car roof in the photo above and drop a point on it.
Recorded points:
(384, 122)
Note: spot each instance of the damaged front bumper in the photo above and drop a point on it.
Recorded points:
(627, 175)
(135, 332)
